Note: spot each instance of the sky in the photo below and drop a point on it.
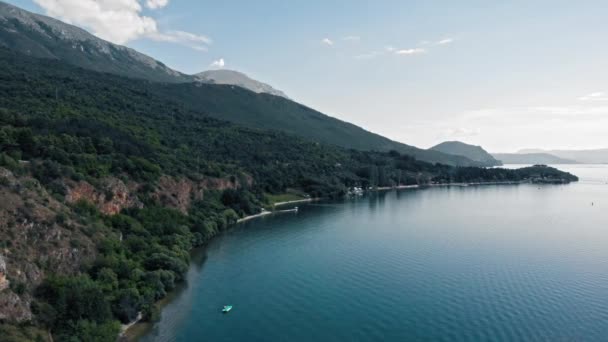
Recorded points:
(503, 75)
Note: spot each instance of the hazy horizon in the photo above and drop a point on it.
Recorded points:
(504, 76)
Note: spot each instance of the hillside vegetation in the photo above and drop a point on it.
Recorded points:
(40, 36)
(109, 182)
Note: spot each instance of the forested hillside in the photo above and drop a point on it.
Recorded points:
(40, 36)
(107, 183)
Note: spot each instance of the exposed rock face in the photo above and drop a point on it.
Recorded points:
(14, 308)
(180, 193)
(3, 281)
(38, 236)
(45, 37)
(116, 196)
(176, 193)
(34, 242)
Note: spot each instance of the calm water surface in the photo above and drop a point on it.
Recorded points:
(500, 263)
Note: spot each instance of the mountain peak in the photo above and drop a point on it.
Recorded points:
(237, 78)
(44, 37)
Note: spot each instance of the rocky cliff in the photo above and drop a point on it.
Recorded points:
(178, 193)
(110, 197)
(37, 236)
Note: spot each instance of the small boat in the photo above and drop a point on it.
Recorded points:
(227, 308)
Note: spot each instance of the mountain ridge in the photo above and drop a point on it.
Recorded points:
(44, 37)
(473, 152)
(531, 158)
(591, 156)
(237, 78)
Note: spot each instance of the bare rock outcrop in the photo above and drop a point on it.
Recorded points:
(4, 283)
(179, 193)
(114, 196)
(34, 242)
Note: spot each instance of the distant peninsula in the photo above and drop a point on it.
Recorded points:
(532, 158)
(475, 153)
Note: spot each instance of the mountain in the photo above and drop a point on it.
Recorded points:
(475, 153)
(598, 156)
(40, 36)
(264, 111)
(43, 37)
(531, 158)
(231, 77)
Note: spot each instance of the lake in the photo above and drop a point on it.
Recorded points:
(500, 263)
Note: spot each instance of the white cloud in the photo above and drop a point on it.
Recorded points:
(461, 132)
(390, 50)
(405, 52)
(327, 41)
(191, 40)
(119, 21)
(219, 64)
(352, 38)
(596, 96)
(445, 41)
(414, 51)
(369, 55)
(154, 4)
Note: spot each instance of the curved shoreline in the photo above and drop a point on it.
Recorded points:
(133, 330)
(128, 332)
(305, 200)
(250, 217)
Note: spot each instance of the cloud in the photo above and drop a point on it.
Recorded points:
(445, 41)
(352, 38)
(155, 4)
(119, 21)
(194, 41)
(405, 52)
(414, 51)
(461, 132)
(327, 41)
(596, 96)
(219, 64)
(390, 50)
(369, 55)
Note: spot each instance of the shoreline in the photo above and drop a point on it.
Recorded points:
(398, 187)
(133, 330)
(479, 183)
(251, 217)
(124, 328)
(137, 328)
(305, 200)
(422, 186)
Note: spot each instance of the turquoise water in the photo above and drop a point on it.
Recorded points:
(499, 263)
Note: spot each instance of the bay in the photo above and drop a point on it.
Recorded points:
(477, 263)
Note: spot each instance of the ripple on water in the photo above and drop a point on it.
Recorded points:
(445, 264)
